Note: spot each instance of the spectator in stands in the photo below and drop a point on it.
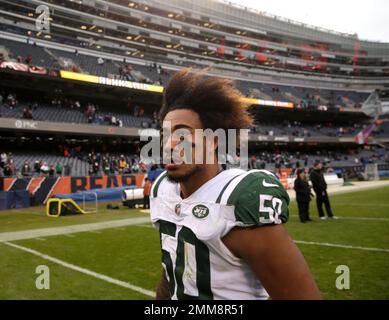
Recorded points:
(27, 113)
(12, 101)
(122, 164)
(96, 167)
(106, 166)
(26, 169)
(303, 195)
(8, 170)
(28, 59)
(90, 169)
(51, 171)
(58, 169)
(141, 112)
(114, 168)
(146, 194)
(3, 159)
(67, 170)
(37, 167)
(136, 111)
(320, 186)
(44, 169)
(135, 168)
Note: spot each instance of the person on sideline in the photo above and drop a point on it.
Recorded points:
(303, 195)
(320, 186)
(146, 194)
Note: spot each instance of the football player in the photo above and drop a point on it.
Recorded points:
(221, 232)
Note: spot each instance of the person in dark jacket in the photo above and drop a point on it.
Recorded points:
(303, 195)
(320, 186)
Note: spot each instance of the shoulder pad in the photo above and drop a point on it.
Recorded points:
(259, 199)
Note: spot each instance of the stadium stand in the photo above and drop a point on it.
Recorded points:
(306, 97)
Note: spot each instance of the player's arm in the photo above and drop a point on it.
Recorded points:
(275, 260)
(261, 206)
(163, 292)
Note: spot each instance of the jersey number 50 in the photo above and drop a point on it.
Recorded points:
(176, 272)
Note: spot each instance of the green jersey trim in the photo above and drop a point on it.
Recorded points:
(157, 183)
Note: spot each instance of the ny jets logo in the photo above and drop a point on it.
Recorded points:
(200, 211)
(268, 185)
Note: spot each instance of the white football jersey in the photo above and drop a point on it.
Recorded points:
(197, 264)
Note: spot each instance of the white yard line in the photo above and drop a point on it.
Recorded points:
(334, 245)
(69, 235)
(145, 226)
(35, 233)
(83, 270)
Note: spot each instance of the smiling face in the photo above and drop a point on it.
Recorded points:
(178, 124)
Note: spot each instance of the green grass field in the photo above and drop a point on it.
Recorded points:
(131, 254)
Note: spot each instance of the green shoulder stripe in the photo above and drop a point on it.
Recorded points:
(157, 183)
(251, 183)
(224, 189)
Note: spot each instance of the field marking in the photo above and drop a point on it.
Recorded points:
(69, 235)
(364, 218)
(144, 226)
(83, 270)
(324, 244)
(354, 218)
(35, 233)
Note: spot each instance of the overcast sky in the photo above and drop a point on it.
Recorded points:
(368, 18)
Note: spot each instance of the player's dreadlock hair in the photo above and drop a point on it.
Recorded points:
(218, 104)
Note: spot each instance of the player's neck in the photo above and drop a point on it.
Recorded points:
(195, 182)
